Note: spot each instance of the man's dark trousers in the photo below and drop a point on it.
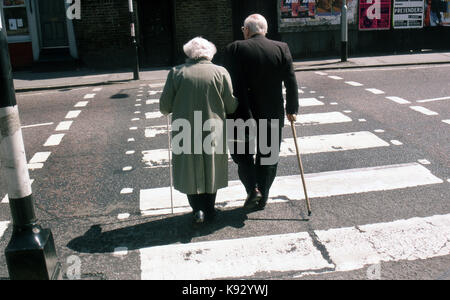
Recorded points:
(255, 172)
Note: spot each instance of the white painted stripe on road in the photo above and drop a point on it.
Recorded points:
(3, 227)
(157, 85)
(123, 216)
(120, 251)
(304, 102)
(321, 73)
(155, 158)
(54, 140)
(396, 142)
(89, 96)
(434, 99)
(125, 191)
(153, 115)
(63, 126)
(417, 238)
(332, 143)
(424, 110)
(97, 89)
(446, 121)
(349, 249)
(5, 199)
(152, 101)
(82, 104)
(375, 91)
(335, 77)
(398, 100)
(152, 93)
(40, 157)
(73, 114)
(424, 161)
(354, 83)
(37, 125)
(325, 184)
(321, 118)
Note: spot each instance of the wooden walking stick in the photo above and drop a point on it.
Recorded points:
(294, 133)
(170, 162)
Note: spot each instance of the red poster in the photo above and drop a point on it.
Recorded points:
(374, 14)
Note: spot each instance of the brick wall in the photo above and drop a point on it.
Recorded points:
(103, 34)
(210, 19)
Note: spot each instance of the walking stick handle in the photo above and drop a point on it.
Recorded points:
(294, 133)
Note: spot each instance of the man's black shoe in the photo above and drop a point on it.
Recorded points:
(199, 217)
(261, 204)
(252, 199)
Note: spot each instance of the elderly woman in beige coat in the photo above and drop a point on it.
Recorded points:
(199, 95)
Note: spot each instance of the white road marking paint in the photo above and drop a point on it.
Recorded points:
(349, 249)
(312, 92)
(434, 99)
(398, 100)
(321, 97)
(63, 126)
(125, 191)
(152, 93)
(152, 101)
(362, 120)
(379, 130)
(3, 227)
(128, 168)
(38, 159)
(396, 142)
(131, 140)
(120, 251)
(133, 128)
(347, 111)
(138, 100)
(54, 140)
(135, 119)
(332, 143)
(424, 161)
(155, 158)
(321, 118)
(131, 152)
(424, 110)
(137, 105)
(37, 125)
(97, 89)
(123, 216)
(321, 73)
(81, 104)
(354, 83)
(137, 112)
(335, 77)
(375, 91)
(156, 85)
(153, 115)
(157, 201)
(89, 96)
(153, 131)
(446, 121)
(304, 102)
(73, 114)
(333, 103)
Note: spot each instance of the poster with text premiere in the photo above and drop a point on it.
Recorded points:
(374, 14)
(408, 14)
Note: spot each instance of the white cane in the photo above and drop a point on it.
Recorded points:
(170, 162)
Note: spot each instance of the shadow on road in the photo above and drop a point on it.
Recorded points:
(155, 233)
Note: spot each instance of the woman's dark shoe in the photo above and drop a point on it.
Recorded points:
(199, 217)
(261, 203)
(252, 199)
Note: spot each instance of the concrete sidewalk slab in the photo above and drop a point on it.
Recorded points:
(29, 81)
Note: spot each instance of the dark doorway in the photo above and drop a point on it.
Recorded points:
(156, 32)
(52, 16)
(267, 8)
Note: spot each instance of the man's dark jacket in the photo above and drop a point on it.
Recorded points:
(258, 66)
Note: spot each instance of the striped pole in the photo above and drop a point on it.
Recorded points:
(134, 40)
(30, 253)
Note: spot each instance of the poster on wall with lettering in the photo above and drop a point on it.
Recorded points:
(298, 13)
(408, 14)
(374, 14)
(437, 13)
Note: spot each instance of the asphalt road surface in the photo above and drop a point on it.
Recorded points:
(375, 147)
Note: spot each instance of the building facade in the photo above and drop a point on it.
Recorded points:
(96, 33)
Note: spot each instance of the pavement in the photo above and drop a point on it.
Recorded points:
(26, 81)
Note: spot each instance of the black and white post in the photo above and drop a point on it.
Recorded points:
(134, 40)
(30, 254)
(344, 32)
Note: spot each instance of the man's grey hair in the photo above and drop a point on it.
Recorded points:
(200, 48)
(256, 24)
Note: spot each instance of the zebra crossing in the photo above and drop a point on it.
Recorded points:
(346, 249)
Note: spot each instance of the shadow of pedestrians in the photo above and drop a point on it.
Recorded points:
(156, 233)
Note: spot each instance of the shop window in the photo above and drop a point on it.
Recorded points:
(15, 17)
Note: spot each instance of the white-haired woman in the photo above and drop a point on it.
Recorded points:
(198, 94)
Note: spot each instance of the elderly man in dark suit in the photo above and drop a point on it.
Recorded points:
(258, 66)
